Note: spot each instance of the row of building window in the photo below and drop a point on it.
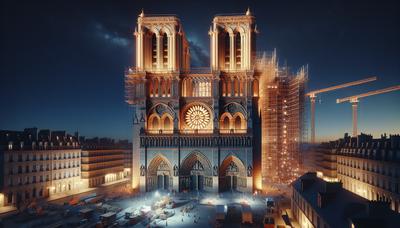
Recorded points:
(371, 179)
(42, 158)
(370, 166)
(36, 168)
(33, 180)
(380, 154)
(307, 210)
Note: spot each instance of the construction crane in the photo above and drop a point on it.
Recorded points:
(313, 95)
(354, 102)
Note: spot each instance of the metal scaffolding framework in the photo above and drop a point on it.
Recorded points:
(282, 95)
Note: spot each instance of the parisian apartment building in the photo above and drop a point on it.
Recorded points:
(324, 203)
(105, 161)
(367, 166)
(44, 165)
(38, 165)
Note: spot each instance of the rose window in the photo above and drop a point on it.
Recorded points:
(197, 117)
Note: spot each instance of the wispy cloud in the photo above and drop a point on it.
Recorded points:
(111, 37)
(198, 54)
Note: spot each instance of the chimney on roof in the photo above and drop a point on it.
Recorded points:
(394, 141)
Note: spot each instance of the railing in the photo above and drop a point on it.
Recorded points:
(160, 15)
(160, 132)
(196, 131)
(233, 131)
(213, 140)
(195, 70)
(229, 14)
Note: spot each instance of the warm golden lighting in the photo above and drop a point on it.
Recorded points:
(1, 199)
(325, 178)
(197, 117)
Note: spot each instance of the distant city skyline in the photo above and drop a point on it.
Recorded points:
(63, 63)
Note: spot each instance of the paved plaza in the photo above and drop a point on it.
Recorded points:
(158, 209)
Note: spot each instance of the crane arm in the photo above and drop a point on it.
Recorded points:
(362, 81)
(375, 92)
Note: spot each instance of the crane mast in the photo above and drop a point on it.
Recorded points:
(355, 99)
(313, 95)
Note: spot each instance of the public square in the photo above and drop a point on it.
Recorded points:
(159, 209)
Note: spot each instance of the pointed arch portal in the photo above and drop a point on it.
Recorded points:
(159, 173)
(232, 174)
(196, 173)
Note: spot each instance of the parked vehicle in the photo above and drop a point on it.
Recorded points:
(247, 215)
(108, 218)
(269, 222)
(220, 212)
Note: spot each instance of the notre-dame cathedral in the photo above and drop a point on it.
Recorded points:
(195, 129)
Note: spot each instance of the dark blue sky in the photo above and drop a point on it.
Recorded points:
(62, 62)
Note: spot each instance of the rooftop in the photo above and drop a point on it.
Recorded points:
(343, 204)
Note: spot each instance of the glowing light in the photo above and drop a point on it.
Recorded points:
(157, 194)
(197, 117)
(1, 199)
(327, 179)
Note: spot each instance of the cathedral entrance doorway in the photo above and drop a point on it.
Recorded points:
(195, 173)
(163, 182)
(196, 182)
(231, 182)
(159, 174)
(232, 175)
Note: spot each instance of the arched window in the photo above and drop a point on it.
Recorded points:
(241, 93)
(227, 50)
(255, 88)
(165, 50)
(168, 88)
(238, 50)
(236, 87)
(238, 123)
(155, 87)
(168, 124)
(225, 123)
(163, 88)
(154, 123)
(201, 88)
(154, 50)
(228, 87)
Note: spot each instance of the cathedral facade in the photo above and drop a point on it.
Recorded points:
(194, 129)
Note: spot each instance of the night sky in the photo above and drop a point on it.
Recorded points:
(62, 62)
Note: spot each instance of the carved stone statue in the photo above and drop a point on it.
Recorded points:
(249, 171)
(176, 171)
(142, 170)
(215, 170)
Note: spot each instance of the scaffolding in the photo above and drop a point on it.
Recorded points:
(281, 107)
